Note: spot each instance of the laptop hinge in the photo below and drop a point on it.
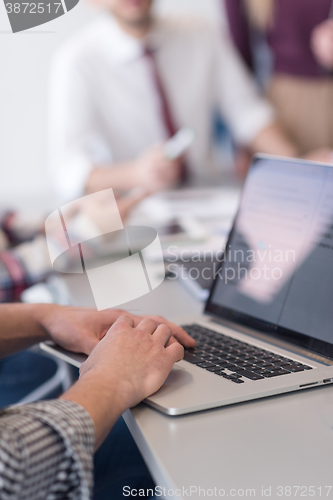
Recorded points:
(271, 340)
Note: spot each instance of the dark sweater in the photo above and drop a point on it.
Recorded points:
(288, 37)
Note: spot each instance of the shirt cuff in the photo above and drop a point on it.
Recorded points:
(70, 177)
(253, 121)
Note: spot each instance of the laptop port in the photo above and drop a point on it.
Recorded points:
(310, 383)
(327, 380)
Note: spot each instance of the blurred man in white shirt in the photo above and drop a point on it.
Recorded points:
(126, 83)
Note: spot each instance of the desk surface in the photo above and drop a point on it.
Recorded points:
(283, 441)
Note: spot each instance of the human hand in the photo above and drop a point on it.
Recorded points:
(322, 43)
(100, 209)
(80, 329)
(136, 359)
(178, 333)
(154, 171)
(77, 329)
(322, 155)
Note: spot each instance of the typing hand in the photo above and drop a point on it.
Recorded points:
(138, 357)
(80, 329)
(177, 332)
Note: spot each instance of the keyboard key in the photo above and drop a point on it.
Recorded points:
(261, 371)
(223, 357)
(191, 358)
(223, 364)
(293, 368)
(261, 362)
(211, 349)
(198, 352)
(206, 364)
(206, 356)
(242, 363)
(231, 359)
(214, 360)
(214, 369)
(231, 367)
(250, 368)
(251, 375)
(267, 365)
(279, 363)
(276, 373)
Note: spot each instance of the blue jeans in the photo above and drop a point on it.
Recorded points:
(23, 373)
(118, 463)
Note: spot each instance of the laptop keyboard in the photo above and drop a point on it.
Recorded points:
(235, 360)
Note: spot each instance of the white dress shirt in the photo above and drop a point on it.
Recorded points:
(105, 107)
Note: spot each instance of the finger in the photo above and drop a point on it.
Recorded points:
(172, 341)
(162, 334)
(178, 332)
(183, 337)
(122, 312)
(147, 325)
(107, 317)
(135, 318)
(124, 319)
(175, 351)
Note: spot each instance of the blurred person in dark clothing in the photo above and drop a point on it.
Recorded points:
(299, 34)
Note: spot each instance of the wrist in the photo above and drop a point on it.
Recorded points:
(42, 314)
(109, 385)
(101, 398)
(135, 172)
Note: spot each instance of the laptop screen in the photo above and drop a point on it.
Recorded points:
(277, 270)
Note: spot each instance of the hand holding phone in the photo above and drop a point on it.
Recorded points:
(179, 143)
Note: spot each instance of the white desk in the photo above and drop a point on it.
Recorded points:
(279, 441)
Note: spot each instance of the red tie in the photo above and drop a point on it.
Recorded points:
(166, 112)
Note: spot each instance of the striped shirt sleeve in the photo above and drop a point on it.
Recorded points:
(46, 452)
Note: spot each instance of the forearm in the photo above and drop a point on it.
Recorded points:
(21, 326)
(272, 140)
(119, 176)
(104, 401)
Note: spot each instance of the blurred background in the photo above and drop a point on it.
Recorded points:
(25, 63)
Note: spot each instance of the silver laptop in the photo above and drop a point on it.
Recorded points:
(267, 328)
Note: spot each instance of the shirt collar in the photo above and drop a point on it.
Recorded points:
(122, 48)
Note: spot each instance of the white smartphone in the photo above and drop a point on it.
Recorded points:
(179, 143)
